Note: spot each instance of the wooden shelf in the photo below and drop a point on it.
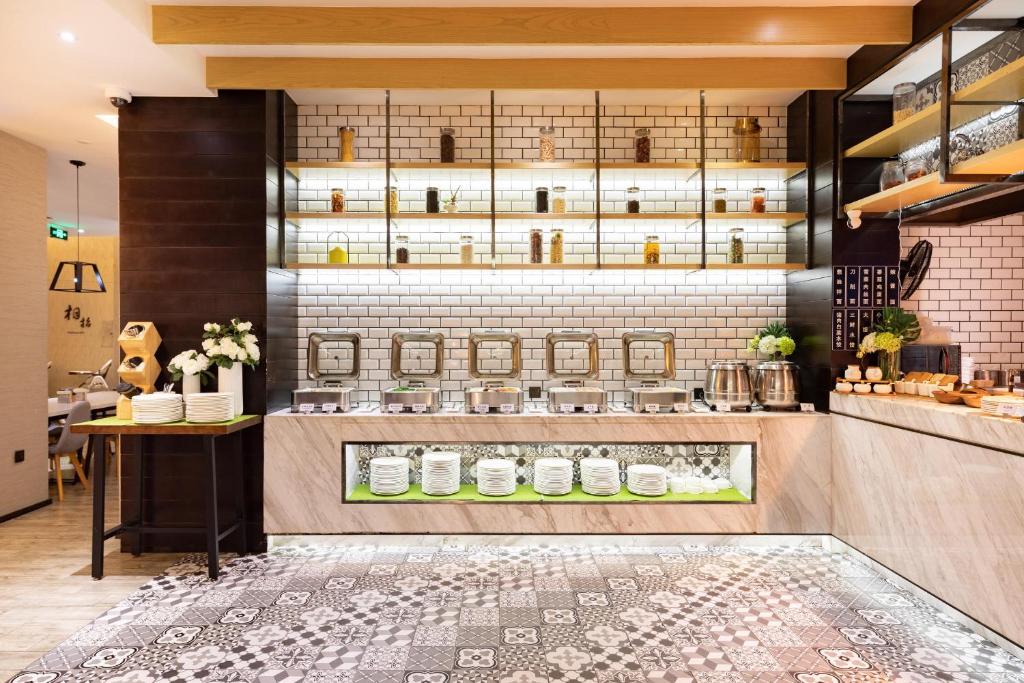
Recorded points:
(787, 219)
(1005, 84)
(999, 161)
(543, 266)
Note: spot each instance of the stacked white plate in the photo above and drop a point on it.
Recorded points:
(991, 404)
(552, 476)
(389, 476)
(599, 476)
(441, 473)
(212, 407)
(647, 480)
(158, 408)
(495, 477)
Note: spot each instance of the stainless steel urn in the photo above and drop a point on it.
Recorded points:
(776, 384)
(728, 382)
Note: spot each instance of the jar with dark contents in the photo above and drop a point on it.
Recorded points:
(633, 200)
(536, 245)
(447, 145)
(337, 200)
(719, 205)
(401, 249)
(542, 200)
(758, 200)
(642, 145)
(433, 200)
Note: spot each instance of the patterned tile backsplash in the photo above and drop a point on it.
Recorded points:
(711, 314)
(974, 290)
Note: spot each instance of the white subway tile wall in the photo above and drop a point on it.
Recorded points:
(711, 313)
(975, 287)
(415, 130)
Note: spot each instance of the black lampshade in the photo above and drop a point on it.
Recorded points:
(78, 267)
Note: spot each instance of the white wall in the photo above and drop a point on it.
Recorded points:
(23, 283)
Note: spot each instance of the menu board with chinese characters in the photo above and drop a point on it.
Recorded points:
(859, 293)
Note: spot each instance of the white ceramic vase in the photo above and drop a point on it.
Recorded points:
(190, 384)
(229, 380)
(852, 372)
(873, 373)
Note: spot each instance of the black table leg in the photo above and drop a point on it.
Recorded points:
(242, 516)
(212, 527)
(99, 486)
(140, 482)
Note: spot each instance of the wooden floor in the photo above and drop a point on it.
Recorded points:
(46, 593)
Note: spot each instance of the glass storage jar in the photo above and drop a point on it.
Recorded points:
(542, 200)
(914, 169)
(433, 200)
(892, 175)
(903, 95)
(736, 245)
(642, 145)
(558, 199)
(652, 250)
(447, 145)
(633, 200)
(546, 143)
(746, 134)
(557, 246)
(348, 143)
(337, 200)
(719, 203)
(536, 245)
(393, 200)
(758, 200)
(401, 249)
(466, 249)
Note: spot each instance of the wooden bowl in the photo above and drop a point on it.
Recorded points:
(973, 400)
(948, 397)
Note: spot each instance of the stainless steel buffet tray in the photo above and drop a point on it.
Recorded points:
(578, 398)
(318, 397)
(494, 399)
(414, 400)
(666, 399)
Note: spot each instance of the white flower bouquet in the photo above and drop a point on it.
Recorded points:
(234, 342)
(188, 364)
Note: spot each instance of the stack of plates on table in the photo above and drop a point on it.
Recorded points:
(552, 476)
(496, 477)
(389, 476)
(213, 407)
(647, 480)
(158, 408)
(599, 476)
(991, 404)
(441, 472)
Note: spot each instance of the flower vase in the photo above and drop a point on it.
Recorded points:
(190, 384)
(229, 380)
(889, 362)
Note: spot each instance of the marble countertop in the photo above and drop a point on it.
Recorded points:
(544, 417)
(927, 415)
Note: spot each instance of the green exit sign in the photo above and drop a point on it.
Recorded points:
(57, 232)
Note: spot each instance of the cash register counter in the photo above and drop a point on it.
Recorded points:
(782, 461)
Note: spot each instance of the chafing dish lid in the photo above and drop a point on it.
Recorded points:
(666, 339)
(593, 363)
(313, 370)
(399, 339)
(511, 338)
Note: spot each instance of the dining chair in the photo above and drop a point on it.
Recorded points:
(96, 379)
(70, 445)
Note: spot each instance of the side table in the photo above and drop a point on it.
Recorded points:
(97, 429)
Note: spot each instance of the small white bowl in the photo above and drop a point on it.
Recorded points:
(910, 388)
(883, 389)
(862, 388)
(900, 387)
(926, 390)
(844, 387)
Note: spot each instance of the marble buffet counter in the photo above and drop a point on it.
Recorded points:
(935, 493)
(314, 465)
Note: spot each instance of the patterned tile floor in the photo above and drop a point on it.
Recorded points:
(525, 615)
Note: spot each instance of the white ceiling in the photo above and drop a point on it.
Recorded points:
(53, 90)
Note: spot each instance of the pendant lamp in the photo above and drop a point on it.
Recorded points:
(77, 266)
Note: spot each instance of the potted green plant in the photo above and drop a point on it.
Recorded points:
(896, 328)
(774, 341)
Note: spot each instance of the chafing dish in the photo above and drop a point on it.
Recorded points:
(328, 390)
(650, 396)
(495, 394)
(574, 396)
(412, 395)
(728, 383)
(777, 384)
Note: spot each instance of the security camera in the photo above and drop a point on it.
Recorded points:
(853, 219)
(119, 97)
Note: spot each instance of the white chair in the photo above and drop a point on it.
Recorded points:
(97, 379)
(70, 445)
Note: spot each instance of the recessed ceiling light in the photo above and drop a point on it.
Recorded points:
(67, 36)
(109, 119)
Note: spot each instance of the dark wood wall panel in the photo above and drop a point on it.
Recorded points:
(195, 209)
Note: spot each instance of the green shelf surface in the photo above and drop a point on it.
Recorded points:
(525, 494)
(118, 422)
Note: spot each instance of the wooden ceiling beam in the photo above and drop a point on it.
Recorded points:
(269, 73)
(267, 25)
